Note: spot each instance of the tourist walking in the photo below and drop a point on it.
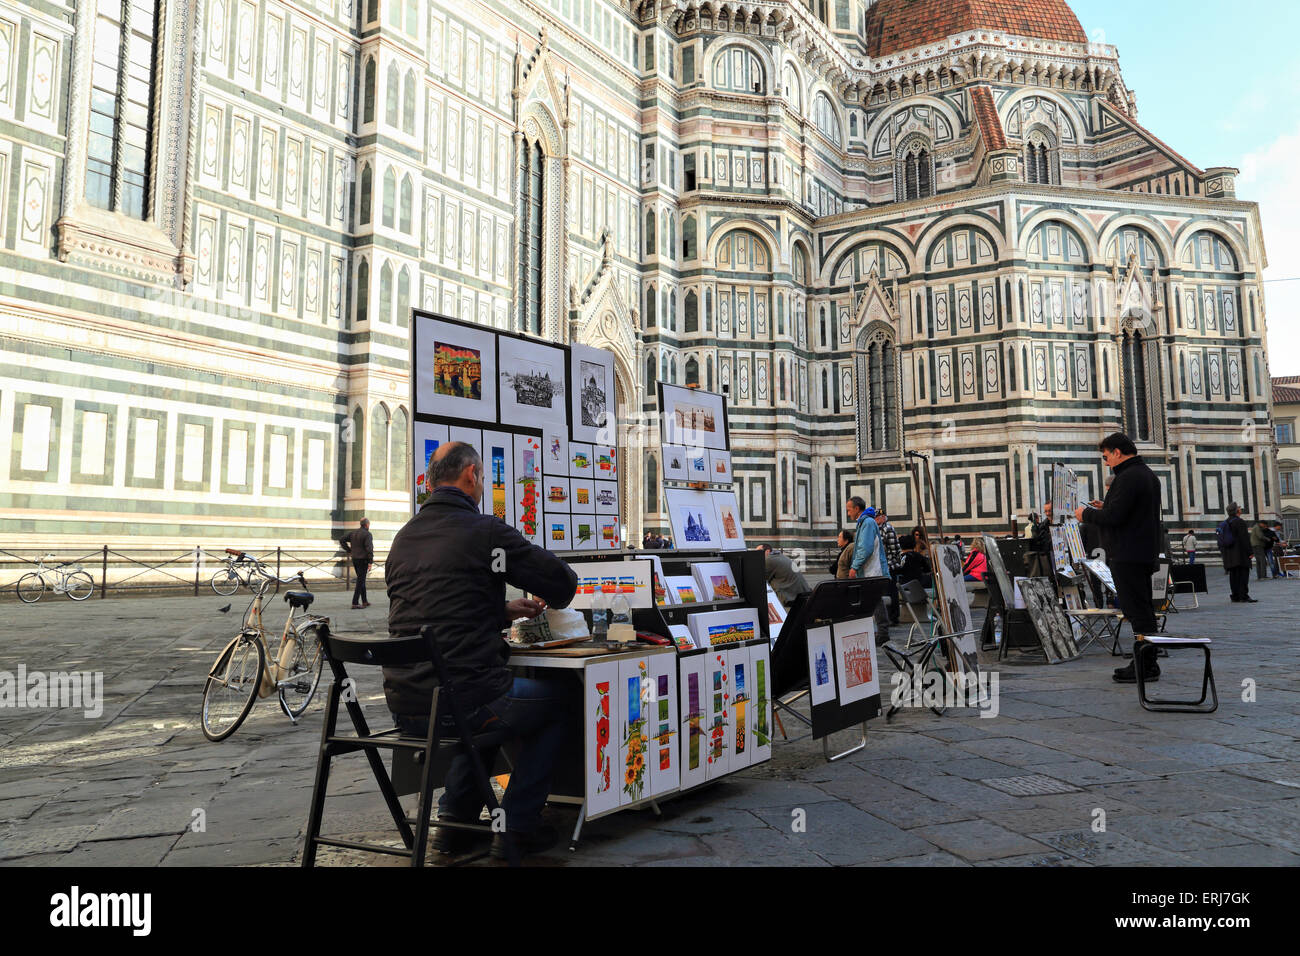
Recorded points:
(894, 559)
(869, 559)
(1129, 520)
(840, 566)
(360, 547)
(1234, 545)
(1260, 545)
(1189, 546)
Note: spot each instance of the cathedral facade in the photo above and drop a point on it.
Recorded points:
(889, 227)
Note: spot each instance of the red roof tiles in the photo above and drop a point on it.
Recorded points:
(895, 25)
(987, 114)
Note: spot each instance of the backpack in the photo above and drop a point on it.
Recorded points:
(1223, 534)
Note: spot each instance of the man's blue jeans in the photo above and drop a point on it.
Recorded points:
(543, 716)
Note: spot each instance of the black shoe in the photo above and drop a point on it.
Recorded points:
(1249, 600)
(525, 842)
(1127, 675)
(454, 841)
(356, 607)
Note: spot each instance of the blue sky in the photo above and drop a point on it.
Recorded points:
(1212, 80)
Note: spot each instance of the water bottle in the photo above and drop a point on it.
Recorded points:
(599, 615)
(620, 611)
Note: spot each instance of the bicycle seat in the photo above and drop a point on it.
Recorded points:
(300, 599)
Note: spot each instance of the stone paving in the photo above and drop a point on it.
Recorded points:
(124, 788)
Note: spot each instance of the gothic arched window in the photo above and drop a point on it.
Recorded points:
(1041, 158)
(531, 228)
(914, 170)
(692, 313)
(878, 395)
(1137, 409)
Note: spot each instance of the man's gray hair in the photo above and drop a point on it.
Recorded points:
(445, 470)
(1233, 508)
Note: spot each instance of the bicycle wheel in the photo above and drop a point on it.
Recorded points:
(225, 582)
(30, 587)
(231, 689)
(303, 672)
(80, 585)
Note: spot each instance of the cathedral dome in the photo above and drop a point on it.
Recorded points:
(896, 25)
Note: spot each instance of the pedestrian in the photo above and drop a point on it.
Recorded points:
(785, 578)
(922, 542)
(894, 558)
(916, 562)
(359, 544)
(1234, 545)
(1129, 519)
(844, 560)
(1039, 554)
(1271, 553)
(1189, 546)
(1260, 544)
(961, 546)
(976, 565)
(648, 542)
(869, 559)
(1279, 548)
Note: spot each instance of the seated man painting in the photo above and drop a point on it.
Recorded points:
(449, 566)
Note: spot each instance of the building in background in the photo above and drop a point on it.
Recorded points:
(902, 225)
(1286, 415)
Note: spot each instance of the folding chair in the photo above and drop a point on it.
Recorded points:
(1162, 594)
(910, 660)
(1208, 690)
(432, 751)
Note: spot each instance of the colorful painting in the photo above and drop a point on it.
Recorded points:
(634, 740)
(555, 452)
(728, 514)
(720, 634)
(457, 371)
(662, 704)
(821, 678)
(609, 534)
(695, 713)
(527, 477)
(602, 737)
(428, 438)
(723, 587)
(1074, 540)
(738, 749)
(693, 417)
(606, 497)
(762, 738)
(855, 659)
(714, 581)
(498, 481)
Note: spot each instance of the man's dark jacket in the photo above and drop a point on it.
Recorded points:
(1239, 554)
(360, 545)
(1129, 518)
(449, 566)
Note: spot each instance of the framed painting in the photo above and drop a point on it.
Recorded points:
(583, 529)
(858, 676)
(602, 721)
(720, 628)
(674, 459)
(580, 462)
(696, 701)
(557, 493)
(821, 669)
(528, 488)
(591, 372)
(693, 417)
(605, 461)
(499, 476)
(720, 467)
(693, 519)
(732, 533)
(582, 495)
(714, 581)
(611, 532)
(455, 370)
(606, 497)
(663, 755)
(531, 382)
(558, 534)
(555, 451)
(428, 438)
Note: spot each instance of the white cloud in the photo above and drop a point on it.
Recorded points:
(1270, 176)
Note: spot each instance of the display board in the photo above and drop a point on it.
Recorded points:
(1065, 491)
(693, 418)
(1053, 627)
(540, 414)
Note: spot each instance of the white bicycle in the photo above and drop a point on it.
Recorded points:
(67, 579)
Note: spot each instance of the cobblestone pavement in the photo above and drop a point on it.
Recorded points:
(124, 788)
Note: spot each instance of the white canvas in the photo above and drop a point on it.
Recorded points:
(722, 628)
(674, 461)
(718, 722)
(742, 707)
(821, 666)
(532, 380)
(663, 756)
(634, 693)
(693, 519)
(730, 529)
(603, 723)
(584, 532)
(696, 700)
(684, 589)
(582, 495)
(529, 508)
(559, 537)
(447, 358)
(606, 497)
(591, 373)
(555, 451)
(580, 461)
(499, 476)
(856, 669)
(760, 723)
(693, 417)
(555, 496)
(610, 532)
(428, 438)
(714, 579)
(720, 467)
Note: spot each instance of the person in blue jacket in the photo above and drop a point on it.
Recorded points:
(869, 559)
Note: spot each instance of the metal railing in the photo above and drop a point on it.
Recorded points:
(123, 570)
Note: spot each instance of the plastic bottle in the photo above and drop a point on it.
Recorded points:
(620, 610)
(599, 614)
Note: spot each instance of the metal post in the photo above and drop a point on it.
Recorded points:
(347, 574)
(198, 557)
(277, 562)
(103, 575)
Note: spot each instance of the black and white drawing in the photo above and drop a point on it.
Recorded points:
(591, 372)
(532, 380)
(1054, 630)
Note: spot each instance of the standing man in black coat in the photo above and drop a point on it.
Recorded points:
(360, 546)
(1236, 556)
(1131, 536)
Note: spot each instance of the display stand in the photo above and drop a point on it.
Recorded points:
(831, 602)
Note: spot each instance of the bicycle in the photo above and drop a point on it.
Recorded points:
(227, 581)
(241, 673)
(76, 583)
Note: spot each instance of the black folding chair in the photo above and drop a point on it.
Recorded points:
(432, 752)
